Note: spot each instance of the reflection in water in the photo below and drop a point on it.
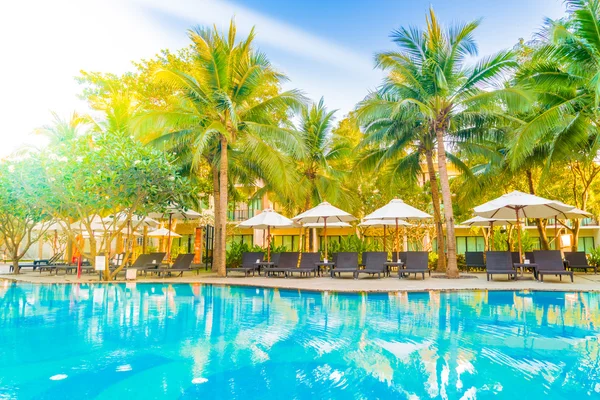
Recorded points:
(189, 341)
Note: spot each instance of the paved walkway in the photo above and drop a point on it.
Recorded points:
(583, 282)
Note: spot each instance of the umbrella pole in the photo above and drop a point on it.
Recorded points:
(556, 233)
(268, 244)
(325, 234)
(519, 236)
(397, 241)
(384, 238)
(491, 237)
(169, 238)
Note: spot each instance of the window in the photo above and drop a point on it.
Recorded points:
(246, 239)
(330, 239)
(469, 243)
(291, 242)
(585, 244)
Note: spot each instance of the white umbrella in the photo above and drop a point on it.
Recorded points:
(573, 213)
(265, 220)
(489, 222)
(518, 204)
(163, 232)
(379, 223)
(329, 225)
(178, 212)
(397, 210)
(323, 213)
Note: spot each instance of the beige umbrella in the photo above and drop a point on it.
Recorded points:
(265, 220)
(323, 213)
(397, 210)
(518, 204)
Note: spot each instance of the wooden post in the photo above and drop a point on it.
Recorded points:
(198, 245)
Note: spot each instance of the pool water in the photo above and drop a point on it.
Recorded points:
(185, 341)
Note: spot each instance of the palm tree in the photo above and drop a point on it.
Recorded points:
(429, 73)
(228, 100)
(397, 142)
(563, 74)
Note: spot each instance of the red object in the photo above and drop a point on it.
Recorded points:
(78, 267)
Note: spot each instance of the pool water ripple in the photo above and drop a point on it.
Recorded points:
(201, 341)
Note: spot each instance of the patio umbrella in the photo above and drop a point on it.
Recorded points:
(323, 213)
(133, 223)
(379, 223)
(574, 213)
(518, 204)
(178, 212)
(489, 222)
(163, 232)
(265, 220)
(397, 210)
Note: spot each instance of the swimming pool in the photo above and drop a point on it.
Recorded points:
(202, 341)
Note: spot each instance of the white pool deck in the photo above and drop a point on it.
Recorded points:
(583, 282)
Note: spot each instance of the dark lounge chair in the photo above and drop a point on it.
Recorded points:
(578, 260)
(150, 263)
(399, 255)
(287, 260)
(515, 257)
(308, 264)
(417, 262)
(529, 255)
(182, 264)
(500, 263)
(474, 260)
(344, 262)
(550, 262)
(373, 263)
(39, 263)
(248, 263)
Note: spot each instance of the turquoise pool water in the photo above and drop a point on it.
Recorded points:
(199, 341)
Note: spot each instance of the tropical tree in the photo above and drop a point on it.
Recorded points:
(224, 102)
(428, 73)
(563, 74)
(397, 143)
(22, 221)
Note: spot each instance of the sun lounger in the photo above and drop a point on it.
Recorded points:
(181, 264)
(148, 263)
(308, 264)
(474, 260)
(287, 260)
(550, 263)
(578, 260)
(373, 263)
(248, 263)
(344, 262)
(417, 262)
(500, 263)
(38, 263)
(529, 255)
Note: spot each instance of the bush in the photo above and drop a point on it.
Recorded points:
(235, 252)
(351, 243)
(594, 257)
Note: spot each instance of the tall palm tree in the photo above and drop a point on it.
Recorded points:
(227, 101)
(429, 73)
(319, 180)
(563, 75)
(398, 142)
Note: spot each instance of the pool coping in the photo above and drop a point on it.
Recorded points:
(338, 285)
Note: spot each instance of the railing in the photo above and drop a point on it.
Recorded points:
(240, 215)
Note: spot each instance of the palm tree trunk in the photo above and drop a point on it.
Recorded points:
(541, 227)
(217, 207)
(222, 221)
(452, 267)
(437, 214)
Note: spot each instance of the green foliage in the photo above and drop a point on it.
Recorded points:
(22, 220)
(502, 238)
(594, 257)
(235, 252)
(352, 243)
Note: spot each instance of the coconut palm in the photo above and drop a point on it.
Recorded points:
(229, 99)
(397, 142)
(563, 74)
(429, 73)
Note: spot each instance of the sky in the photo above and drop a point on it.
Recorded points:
(326, 48)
